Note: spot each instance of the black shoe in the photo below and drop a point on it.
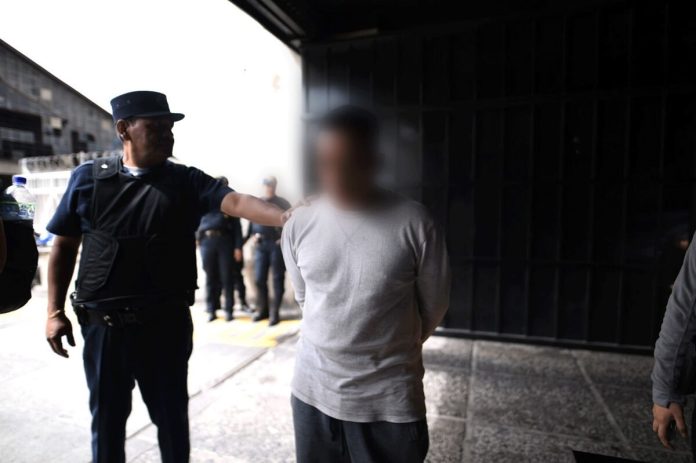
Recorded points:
(275, 316)
(211, 316)
(229, 316)
(261, 316)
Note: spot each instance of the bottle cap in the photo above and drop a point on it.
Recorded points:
(19, 180)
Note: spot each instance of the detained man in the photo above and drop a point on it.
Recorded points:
(371, 273)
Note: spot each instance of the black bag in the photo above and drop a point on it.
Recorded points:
(22, 259)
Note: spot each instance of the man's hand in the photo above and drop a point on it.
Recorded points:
(663, 417)
(57, 326)
(60, 269)
(238, 255)
(286, 215)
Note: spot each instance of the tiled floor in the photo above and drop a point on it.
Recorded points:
(532, 404)
(487, 402)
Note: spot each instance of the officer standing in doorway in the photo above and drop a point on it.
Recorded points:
(220, 238)
(136, 218)
(268, 256)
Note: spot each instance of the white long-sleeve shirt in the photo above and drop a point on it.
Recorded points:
(373, 285)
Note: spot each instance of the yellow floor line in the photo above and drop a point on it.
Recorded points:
(244, 332)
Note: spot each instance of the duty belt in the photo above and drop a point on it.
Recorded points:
(125, 316)
(211, 233)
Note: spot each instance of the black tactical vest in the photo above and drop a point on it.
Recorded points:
(141, 244)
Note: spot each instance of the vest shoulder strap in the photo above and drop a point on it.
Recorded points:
(106, 167)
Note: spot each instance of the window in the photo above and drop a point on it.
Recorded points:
(46, 94)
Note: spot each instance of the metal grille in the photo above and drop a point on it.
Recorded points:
(557, 152)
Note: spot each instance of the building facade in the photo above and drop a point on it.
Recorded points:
(41, 115)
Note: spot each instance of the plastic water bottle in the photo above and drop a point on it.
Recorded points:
(17, 204)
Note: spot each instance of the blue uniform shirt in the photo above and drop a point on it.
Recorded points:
(72, 217)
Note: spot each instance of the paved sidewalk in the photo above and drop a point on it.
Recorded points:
(487, 403)
(44, 397)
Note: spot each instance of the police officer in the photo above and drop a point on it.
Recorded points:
(136, 217)
(221, 240)
(268, 256)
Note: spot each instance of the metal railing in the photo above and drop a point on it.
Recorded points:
(61, 162)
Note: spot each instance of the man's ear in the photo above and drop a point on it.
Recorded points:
(122, 129)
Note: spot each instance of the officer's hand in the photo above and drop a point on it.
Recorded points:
(663, 417)
(302, 202)
(57, 326)
(286, 216)
(238, 255)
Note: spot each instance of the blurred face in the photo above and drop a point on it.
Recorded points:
(345, 170)
(149, 140)
(269, 190)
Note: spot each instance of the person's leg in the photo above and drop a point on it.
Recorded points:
(239, 283)
(262, 263)
(209, 256)
(278, 266)
(318, 437)
(164, 348)
(226, 266)
(383, 442)
(110, 384)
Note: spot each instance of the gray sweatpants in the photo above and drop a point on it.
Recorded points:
(320, 438)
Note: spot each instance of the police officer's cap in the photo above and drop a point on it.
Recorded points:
(142, 104)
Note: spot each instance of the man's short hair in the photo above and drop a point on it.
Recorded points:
(360, 123)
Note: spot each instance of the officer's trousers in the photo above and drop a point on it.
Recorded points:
(268, 256)
(156, 356)
(222, 272)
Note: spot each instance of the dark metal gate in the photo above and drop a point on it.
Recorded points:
(557, 151)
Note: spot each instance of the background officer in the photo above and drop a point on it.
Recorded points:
(268, 256)
(220, 238)
(136, 217)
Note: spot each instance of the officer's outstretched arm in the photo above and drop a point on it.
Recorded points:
(61, 265)
(253, 209)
